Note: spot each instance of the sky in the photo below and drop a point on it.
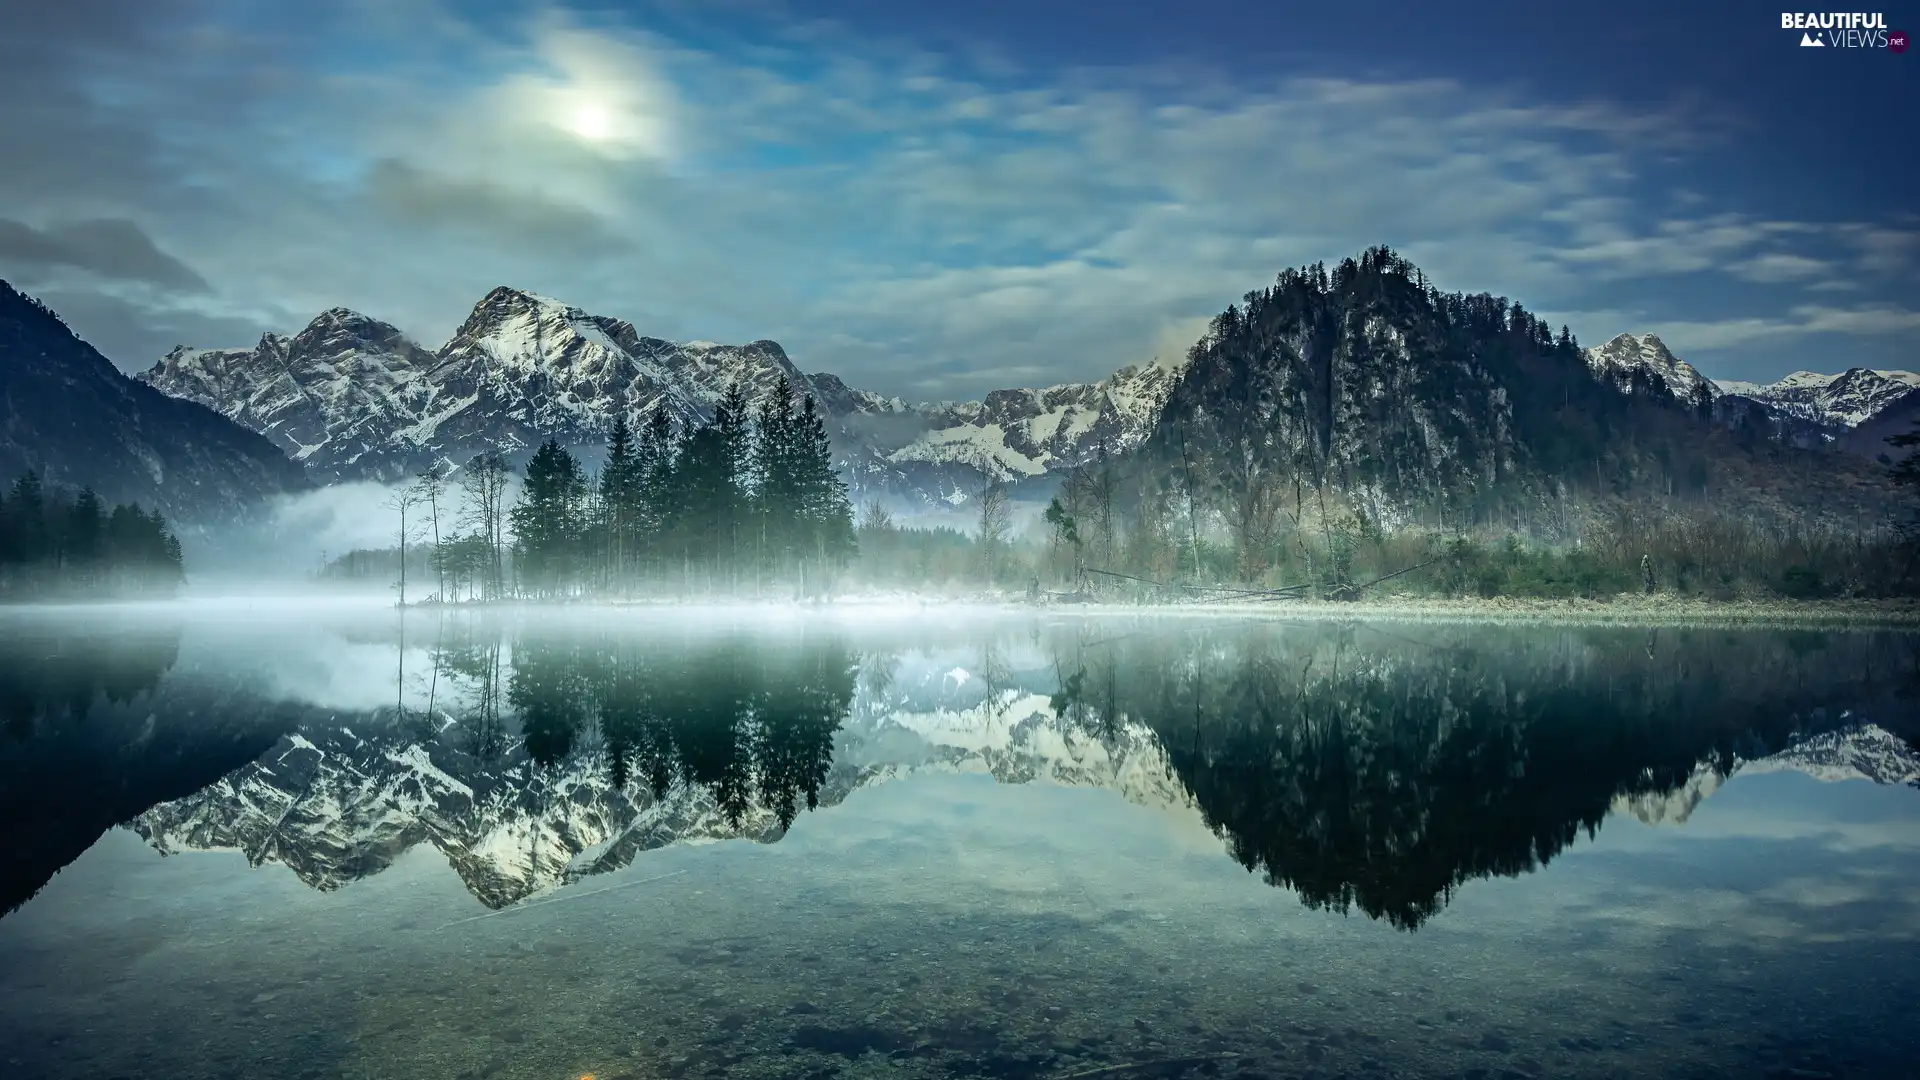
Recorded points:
(935, 200)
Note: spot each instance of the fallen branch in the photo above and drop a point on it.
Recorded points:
(1397, 573)
(1127, 577)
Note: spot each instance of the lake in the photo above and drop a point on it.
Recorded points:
(919, 842)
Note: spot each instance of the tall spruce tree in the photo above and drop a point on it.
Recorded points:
(654, 468)
(825, 511)
(733, 430)
(548, 521)
(622, 485)
(777, 495)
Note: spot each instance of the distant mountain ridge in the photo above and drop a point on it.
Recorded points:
(353, 398)
(1835, 403)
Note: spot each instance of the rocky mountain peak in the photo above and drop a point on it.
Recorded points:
(1841, 401)
(1625, 354)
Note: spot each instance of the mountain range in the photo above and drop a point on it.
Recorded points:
(349, 397)
(352, 398)
(1834, 404)
(67, 413)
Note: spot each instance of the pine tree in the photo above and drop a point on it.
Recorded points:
(825, 511)
(776, 495)
(653, 468)
(547, 521)
(621, 484)
(732, 427)
(28, 512)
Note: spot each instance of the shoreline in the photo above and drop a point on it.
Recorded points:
(1623, 610)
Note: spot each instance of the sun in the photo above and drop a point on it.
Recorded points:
(591, 120)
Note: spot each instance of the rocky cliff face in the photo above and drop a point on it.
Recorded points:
(68, 413)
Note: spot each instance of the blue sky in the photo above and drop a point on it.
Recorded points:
(936, 200)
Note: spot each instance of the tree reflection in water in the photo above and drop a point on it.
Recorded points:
(1381, 770)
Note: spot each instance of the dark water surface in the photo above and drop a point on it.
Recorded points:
(679, 844)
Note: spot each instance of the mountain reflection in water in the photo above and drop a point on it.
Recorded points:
(1370, 768)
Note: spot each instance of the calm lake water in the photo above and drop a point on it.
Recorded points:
(670, 843)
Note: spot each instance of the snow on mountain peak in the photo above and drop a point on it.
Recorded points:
(353, 398)
(1846, 400)
(1626, 356)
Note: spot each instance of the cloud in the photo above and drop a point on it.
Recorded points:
(1802, 320)
(414, 196)
(135, 327)
(1779, 267)
(111, 248)
(930, 225)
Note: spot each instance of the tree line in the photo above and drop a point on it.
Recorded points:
(56, 544)
(746, 503)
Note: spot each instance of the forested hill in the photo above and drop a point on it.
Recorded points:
(71, 416)
(1366, 380)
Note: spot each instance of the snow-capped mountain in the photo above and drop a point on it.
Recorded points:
(352, 398)
(329, 394)
(1846, 400)
(1627, 355)
(1834, 402)
(1017, 434)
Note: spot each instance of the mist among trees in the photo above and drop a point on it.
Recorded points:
(746, 504)
(55, 544)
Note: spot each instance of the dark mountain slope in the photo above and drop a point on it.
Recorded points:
(68, 413)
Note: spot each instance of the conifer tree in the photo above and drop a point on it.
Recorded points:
(653, 468)
(777, 507)
(825, 511)
(548, 521)
(622, 482)
(732, 426)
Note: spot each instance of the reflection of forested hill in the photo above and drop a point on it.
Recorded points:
(89, 737)
(1382, 772)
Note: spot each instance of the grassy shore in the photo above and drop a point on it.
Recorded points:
(1626, 609)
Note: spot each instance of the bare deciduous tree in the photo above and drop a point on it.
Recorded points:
(485, 480)
(429, 488)
(996, 522)
(403, 500)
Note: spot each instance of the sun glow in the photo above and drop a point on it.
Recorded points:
(592, 120)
